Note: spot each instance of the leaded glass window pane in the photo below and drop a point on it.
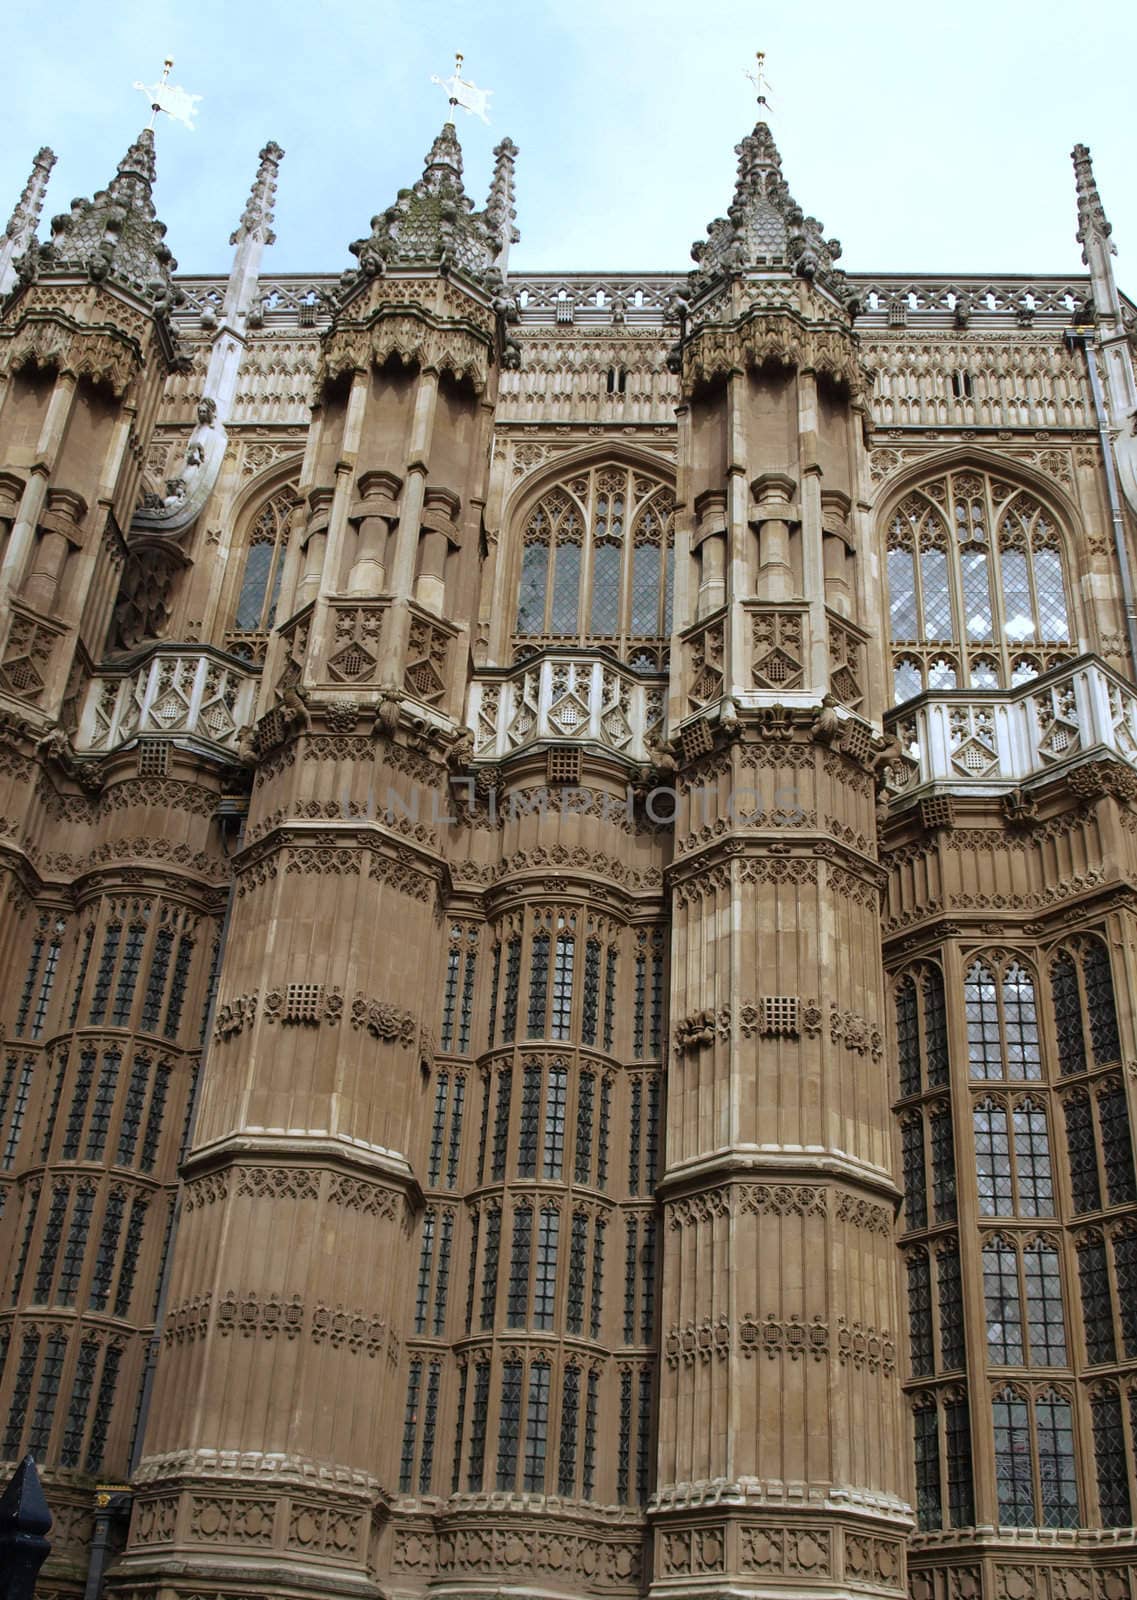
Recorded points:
(1017, 609)
(578, 1252)
(957, 1445)
(1023, 1057)
(907, 679)
(1047, 1328)
(566, 590)
(935, 1028)
(490, 1267)
(538, 985)
(928, 1513)
(530, 1123)
(1116, 1146)
(1051, 590)
(512, 985)
(1125, 1270)
(921, 1350)
(517, 1306)
(981, 1005)
(938, 622)
(1055, 1427)
(915, 1182)
(1097, 1307)
(951, 1310)
(1014, 1476)
(976, 596)
(410, 1428)
(1100, 1003)
(536, 1427)
(501, 1124)
(562, 986)
(51, 1372)
(429, 1426)
(908, 1036)
(509, 1425)
(993, 1160)
(531, 598)
(545, 1278)
(591, 1009)
(1001, 1298)
(1082, 1154)
(478, 1422)
(905, 625)
(254, 585)
(943, 1165)
(1067, 1015)
(1032, 1161)
(1109, 1457)
(645, 589)
(442, 1276)
(606, 562)
(570, 1414)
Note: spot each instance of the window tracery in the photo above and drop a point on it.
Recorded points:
(254, 611)
(978, 594)
(596, 565)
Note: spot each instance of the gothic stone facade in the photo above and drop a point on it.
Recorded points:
(570, 913)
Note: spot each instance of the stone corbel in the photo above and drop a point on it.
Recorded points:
(190, 488)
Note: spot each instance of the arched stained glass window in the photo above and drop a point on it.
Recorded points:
(255, 609)
(978, 595)
(596, 564)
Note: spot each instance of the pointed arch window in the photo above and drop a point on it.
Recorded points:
(254, 611)
(978, 591)
(1035, 1476)
(596, 565)
(1002, 1022)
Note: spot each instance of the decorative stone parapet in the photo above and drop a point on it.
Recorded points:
(984, 740)
(191, 692)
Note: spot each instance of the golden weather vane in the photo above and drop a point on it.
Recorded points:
(170, 98)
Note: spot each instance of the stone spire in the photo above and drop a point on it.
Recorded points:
(20, 233)
(187, 492)
(500, 214)
(117, 235)
(256, 219)
(1094, 230)
(434, 223)
(251, 236)
(765, 229)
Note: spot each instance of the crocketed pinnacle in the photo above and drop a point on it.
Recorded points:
(434, 223)
(500, 213)
(765, 228)
(1093, 226)
(22, 223)
(256, 219)
(117, 235)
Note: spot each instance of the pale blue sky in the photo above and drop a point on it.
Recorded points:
(925, 139)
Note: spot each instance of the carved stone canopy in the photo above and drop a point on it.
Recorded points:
(765, 228)
(116, 236)
(435, 221)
